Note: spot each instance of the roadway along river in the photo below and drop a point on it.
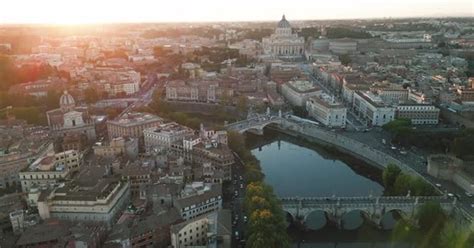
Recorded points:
(297, 168)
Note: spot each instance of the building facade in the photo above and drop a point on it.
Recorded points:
(203, 199)
(101, 203)
(371, 109)
(50, 169)
(419, 114)
(284, 43)
(326, 110)
(131, 125)
(71, 119)
(161, 137)
(298, 92)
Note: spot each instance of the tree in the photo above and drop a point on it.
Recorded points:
(242, 104)
(402, 184)
(91, 95)
(431, 217)
(453, 236)
(419, 187)
(390, 175)
(52, 99)
(345, 59)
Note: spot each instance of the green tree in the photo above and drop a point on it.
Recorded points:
(453, 236)
(345, 59)
(91, 95)
(390, 175)
(6, 72)
(431, 217)
(52, 99)
(419, 187)
(402, 184)
(242, 104)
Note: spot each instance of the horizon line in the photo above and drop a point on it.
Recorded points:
(227, 21)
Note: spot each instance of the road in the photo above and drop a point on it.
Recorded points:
(144, 98)
(415, 158)
(237, 190)
(354, 122)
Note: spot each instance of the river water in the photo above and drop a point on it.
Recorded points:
(297, 168)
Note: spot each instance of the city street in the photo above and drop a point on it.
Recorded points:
(237, 190)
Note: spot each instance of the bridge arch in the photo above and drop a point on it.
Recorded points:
(290, 218)
(389, 219)
(318, 219)
(354, 219)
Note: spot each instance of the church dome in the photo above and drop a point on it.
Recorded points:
(284, 23)
(66, 102)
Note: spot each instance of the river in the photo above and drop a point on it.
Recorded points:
(297, 168)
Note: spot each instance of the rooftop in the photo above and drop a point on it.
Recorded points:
(135, 118)
(303, 86)
(370, 97)
(327, 101)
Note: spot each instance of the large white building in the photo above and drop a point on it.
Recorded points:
(211, 230)
(371, 109)
(298, 92)
(198, 199)
(50, 169)
(284, 43)
(69, 118)
(342, 46)
(94, 196)
(164, 135)
(418, 114)
(326, 110)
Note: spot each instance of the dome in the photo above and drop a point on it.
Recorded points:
(284, 23)
(66, 102)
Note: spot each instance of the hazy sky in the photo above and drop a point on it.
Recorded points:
(91, 11)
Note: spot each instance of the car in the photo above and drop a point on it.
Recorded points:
(472, 205)
(394, 148)
(241, 185)
(438, 185)
(236, 235)
(468, 194)
(245, 219)
(403, 152)
(384, 141)
(236, 193)
(450, 194)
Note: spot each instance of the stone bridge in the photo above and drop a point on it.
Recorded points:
(255, 123)
(371, 208)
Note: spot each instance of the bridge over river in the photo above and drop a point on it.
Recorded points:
(372, 208)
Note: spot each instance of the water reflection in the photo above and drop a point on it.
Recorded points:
(297, 168)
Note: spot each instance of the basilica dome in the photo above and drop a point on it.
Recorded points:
(66, 102)
(284, 23)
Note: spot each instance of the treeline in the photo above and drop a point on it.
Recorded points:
(267, 224)
(310, 32)
(175, 32)
(10, 74)
(431, 227)
(166, 110)
(29, 108)
(21, 40)
(400, 183)
(459, 143)
(339, 32)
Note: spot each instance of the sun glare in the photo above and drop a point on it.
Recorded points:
(106, 11)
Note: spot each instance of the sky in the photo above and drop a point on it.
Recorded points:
(107, 11)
